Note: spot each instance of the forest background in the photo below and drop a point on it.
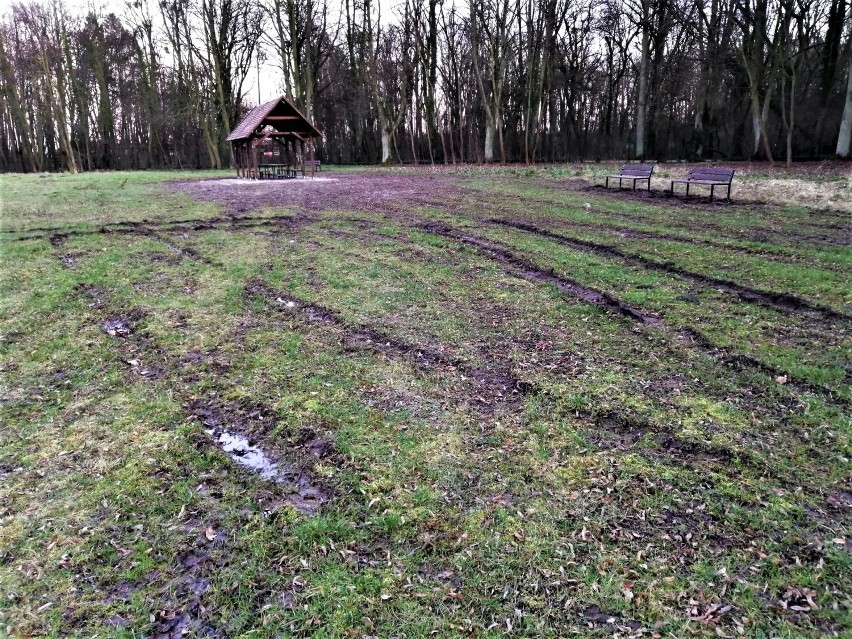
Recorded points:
(151, 84)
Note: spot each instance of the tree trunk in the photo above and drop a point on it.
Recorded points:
(386, 145)
(844, 137)
(642, 106)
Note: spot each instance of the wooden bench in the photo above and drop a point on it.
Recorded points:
(707, 176)
(316, 163)
(635, 172)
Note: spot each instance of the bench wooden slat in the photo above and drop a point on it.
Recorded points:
(701, 180)
(711, 169)
(638, 176)
(634, 173)
(636, 169)
(707, 176)
(697, 174)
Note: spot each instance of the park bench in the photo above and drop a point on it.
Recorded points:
(316, 163)
(635, 172)
(707, 176)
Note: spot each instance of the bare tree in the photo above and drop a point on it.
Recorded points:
(231, 32)
(491, 29)
(844, 136)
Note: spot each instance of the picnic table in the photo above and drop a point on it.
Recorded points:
(270, 171)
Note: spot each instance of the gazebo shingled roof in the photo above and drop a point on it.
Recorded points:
(281, 114)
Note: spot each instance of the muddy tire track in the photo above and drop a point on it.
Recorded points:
(525, 269)
(492, 380)
(784, 302)
(183, 251)
(614, 430)
(239, 428)
(57, 235)
(660, 442)
(742, 361)
(784, 256)
(228, 425)
(707, 346)
(762, 234)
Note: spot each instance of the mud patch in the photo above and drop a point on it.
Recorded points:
(612, 622)
(181, 251)
(147, 371)
(228, 427)
(245, 454)
(95, 295)
(118, 326)
(613, 431)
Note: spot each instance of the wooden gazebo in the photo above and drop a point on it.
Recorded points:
(275, 140)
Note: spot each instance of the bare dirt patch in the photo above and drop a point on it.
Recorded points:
(346, 191)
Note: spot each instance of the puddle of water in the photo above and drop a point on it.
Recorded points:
(301, 491)
(241, 451)
(117, 327)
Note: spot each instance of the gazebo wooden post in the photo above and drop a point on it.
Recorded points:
(254, 160)
(313, 161)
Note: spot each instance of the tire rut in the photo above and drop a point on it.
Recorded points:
(491, 379)
(57, 235)
(742, 361)
(784, 302)
(529, 271)
(230, 427)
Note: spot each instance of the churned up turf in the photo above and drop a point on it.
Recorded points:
(425, 402)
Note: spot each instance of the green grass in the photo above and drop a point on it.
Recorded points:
(641, 477)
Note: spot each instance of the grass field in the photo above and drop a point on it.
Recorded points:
(416, 402)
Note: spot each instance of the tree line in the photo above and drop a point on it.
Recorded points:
(161, 84)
